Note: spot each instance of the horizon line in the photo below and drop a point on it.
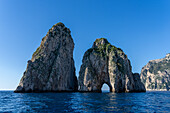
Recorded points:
(7, 89)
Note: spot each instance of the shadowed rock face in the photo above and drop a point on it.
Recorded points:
(104, 63)
(52, 66)
(156, 74)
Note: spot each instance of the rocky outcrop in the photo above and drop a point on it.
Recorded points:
(105, 63)
(156, 74)
(52, 66)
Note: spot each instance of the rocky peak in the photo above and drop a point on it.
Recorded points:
(59, 27)
(100, 42)
(52, 65)
(105, 63)
(48, 43)
(168, 56)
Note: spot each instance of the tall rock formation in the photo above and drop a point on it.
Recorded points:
(105, 63)
(52, 66)
(156, 74)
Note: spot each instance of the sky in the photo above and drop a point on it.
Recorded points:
(141, 28)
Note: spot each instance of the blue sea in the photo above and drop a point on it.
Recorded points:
(153, 101)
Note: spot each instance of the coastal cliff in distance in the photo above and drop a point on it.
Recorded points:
(105, 63)
(156, 74)
(52, 66)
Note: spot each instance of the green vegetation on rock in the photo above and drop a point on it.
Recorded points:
(102, 47)
(37, 52)
(160, 66)
(100, 39)
(59, 24)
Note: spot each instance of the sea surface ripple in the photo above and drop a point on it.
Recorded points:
(151, 101)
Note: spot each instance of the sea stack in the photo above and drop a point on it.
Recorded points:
(156, 74)
(105, 63)
(51, 68)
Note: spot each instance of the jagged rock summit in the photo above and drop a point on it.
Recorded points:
(52, 66)
(105, 63)
(156, 74)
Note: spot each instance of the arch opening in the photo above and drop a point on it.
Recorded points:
(105, 88)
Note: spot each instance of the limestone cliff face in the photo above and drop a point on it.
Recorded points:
(52, 66)
(104, 63)
(156, 74)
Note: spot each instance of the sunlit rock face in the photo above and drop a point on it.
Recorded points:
(105, 63)
(52, 66)
(156, 74)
